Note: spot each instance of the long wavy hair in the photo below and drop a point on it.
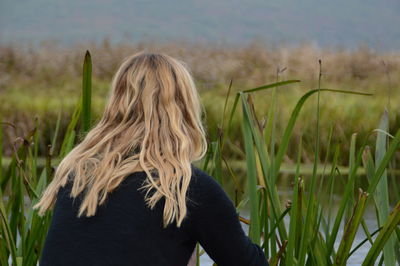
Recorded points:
(152, 122)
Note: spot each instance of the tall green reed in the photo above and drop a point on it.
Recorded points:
(311, 236)
(23, 231)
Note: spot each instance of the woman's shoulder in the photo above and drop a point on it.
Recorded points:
(199, 175)
(205, 191)
(202, 181)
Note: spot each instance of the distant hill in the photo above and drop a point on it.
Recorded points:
(345, 23)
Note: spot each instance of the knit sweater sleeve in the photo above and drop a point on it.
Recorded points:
(217, 228)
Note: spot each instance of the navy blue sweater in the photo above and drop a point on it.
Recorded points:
(124, 231)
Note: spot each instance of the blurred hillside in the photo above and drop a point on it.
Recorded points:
(327, 23)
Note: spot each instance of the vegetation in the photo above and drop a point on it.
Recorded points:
(43, 81)
(312, 230)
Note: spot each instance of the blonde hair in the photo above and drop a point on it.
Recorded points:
(153, 123)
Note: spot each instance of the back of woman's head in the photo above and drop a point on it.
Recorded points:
(152, 122)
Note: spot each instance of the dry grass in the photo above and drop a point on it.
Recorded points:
(212, 65)
(39, 81)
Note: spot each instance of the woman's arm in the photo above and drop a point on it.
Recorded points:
(217, 227)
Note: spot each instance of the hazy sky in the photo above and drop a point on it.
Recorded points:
(345, 23)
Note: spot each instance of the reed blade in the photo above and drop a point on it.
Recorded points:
(86, 92)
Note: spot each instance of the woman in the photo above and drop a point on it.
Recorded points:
(129, 194)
